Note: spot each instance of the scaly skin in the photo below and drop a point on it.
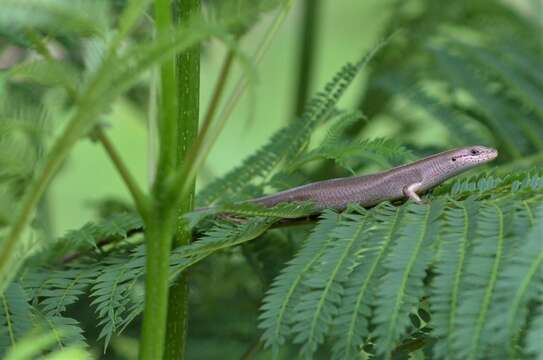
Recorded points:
(406, 181)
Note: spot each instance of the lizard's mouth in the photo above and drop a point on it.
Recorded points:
(491, 154)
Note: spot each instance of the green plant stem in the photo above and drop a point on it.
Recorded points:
(188, 86)
(196, 158)
(215, 99)
(187, 67)
(167, 124)
(161, 224)
(158, 236)
(306, 58)
(140, 199)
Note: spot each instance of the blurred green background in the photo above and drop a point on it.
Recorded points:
(347, 29)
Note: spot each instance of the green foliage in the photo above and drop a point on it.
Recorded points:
(55, 16)
(33, 345)
(382, 280)
(460, 278)
(279, 305)
(286, 142)
(14, 317)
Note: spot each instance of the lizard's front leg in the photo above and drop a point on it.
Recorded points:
(411, 192)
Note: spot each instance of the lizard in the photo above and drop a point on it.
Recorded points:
(405, 181)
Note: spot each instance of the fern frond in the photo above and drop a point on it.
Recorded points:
(49, 73)
(527, 93)
(458, 233)
(495, 112)
(462, 128)
(117, 226)
(283, 210)
(60, 288)
(15, 316)
(351, 326)
(479, 284)
(35, 345)
(113, 291)
(517, 285)
(288, 141)
(534, 345)
(524, 184)
(279, 303)
(220, 237)
(385, 152)
(66, 331)
(526, 62)
(402, 286)
(316, 309)
(56, 16)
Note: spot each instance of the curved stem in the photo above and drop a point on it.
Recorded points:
(140, 199)
(33, 194)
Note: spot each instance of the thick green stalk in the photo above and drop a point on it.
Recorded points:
(167, 107)
(188, 86)
(196, 158)
(158, 236)
(308, 34)
(187, 68)
(161, 224)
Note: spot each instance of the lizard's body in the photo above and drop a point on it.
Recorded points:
(406, 181)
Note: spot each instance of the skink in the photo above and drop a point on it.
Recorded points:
(406, 181)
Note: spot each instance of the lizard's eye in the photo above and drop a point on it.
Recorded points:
(474, 152)
(453, 159)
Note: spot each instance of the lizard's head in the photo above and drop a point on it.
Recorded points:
(470, 156)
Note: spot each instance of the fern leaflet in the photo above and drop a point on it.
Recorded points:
(278, 305)
(402, 287)
(351, 325)
(459, 231)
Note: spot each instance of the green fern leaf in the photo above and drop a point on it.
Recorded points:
(48, 73)
(288, 141)
(534, 345)
(15, 316)
(221, 236)
(57, 16)
(402, 286)
(66, 331)
(283, 210)
(385, 153)
(492, 62)
(113, 291)
(496, 114)
(36, 344)
(517, 285)
(462, 128)
(62, 288)
(458, 233)
(351, 326)
(278, 305)
(116, 226)
(317, 308)
(479, 284)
